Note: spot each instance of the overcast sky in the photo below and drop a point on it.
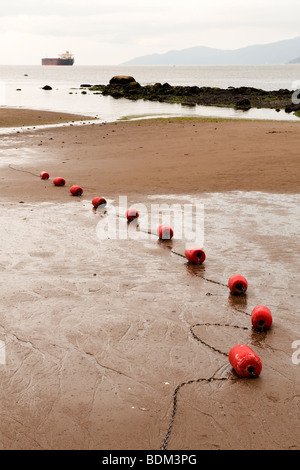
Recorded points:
(108, 32)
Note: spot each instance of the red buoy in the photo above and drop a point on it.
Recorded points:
(59, 181)
(131, 214)
(99, 201)
(237, 284)
(195, 255)
(76, 190)
(261, 318)
(244, 361)
(44, 175)
(165, 232)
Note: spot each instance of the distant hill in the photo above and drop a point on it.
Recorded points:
(281, 52)
(295, 61)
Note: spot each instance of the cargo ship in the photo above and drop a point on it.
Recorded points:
(64, 59)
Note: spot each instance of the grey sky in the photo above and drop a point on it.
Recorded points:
(104, 32)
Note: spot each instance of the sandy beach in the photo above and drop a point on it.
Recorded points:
(100, 333)
(22, 117)
(157, 156)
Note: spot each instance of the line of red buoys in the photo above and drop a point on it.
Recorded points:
(165, 232)
(76, 190)
(195, 255)
(261, 318)
(44, 175)
(237, 284)
(244, 361)
(132, 214)
(59, 181)
(99, 202)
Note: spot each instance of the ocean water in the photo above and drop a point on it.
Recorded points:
(21, 86)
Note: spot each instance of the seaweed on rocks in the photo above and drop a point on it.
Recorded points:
(242, 98)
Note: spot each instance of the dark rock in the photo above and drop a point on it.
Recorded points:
(262, 92)
(283, 91)
(290, 108)
(194, 89)
(117, 94)
(121, 80)
(134, 84)
(47, 87)
(243, 104)
(85, 85)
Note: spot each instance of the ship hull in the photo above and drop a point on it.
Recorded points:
(57, 61)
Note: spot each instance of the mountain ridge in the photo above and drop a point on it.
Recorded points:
(276, 53)
(295, 61)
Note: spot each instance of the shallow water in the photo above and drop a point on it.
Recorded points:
(17, 90)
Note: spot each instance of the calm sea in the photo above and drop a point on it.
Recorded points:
(21, 86)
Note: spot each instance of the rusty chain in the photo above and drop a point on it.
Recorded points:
(193, 381)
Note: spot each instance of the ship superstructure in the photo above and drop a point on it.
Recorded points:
(64, 59)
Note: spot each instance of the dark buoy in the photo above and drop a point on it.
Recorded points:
(261, 318)
(44, 175)
(131, 214)
(165, 232)
(195, 255)
(76, 190)
(237, 284)
(99, 202)
(59, 181)
(244, 361)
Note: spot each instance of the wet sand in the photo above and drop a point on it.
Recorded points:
(99, 333)
(22, 117)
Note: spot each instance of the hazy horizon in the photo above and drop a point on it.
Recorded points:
(111, 32)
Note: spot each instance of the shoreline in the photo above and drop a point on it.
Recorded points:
(19, 119)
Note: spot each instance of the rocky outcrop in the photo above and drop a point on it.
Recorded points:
(239, 98)
(121, 80)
